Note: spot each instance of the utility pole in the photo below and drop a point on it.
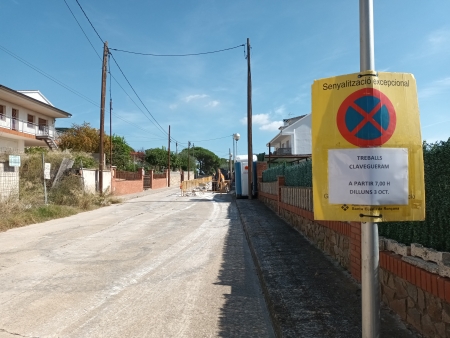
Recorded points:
(249, 123)
(370, 298)
(176, 148)
(229, 164)
(189, 167)
(102, 118)
(193, 156)
(110, 132)
(168, 161)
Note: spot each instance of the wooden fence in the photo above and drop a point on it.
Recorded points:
(300, 197)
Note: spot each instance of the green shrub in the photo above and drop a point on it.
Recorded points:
(434, 232)
(299, 175)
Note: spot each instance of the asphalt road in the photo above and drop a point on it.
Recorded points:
(159, 265)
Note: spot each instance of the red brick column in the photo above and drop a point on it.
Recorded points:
(151, 178)
(355, 250)
(281, 183)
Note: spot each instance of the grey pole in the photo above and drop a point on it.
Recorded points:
(370, 299)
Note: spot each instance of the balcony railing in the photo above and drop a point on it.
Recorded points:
(283, 151)
(27, 127)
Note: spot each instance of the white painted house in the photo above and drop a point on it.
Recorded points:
(27, 118)
(294, 137)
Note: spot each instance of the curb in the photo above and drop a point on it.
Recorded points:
(270, 305)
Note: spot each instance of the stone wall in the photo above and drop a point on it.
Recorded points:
(414, 281)
(175, 179)
(326, 239)
(418, 296)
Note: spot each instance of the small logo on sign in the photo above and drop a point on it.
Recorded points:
(345, 207)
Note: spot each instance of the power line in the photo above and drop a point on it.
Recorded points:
(177, 55)
(48, 76)
(66, 86)
(132, 88)
(148, 54)
(90, 22)
(110, 69)
(212, 139)
(79, 25)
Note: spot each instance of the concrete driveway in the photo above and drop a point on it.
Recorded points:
(160, 265)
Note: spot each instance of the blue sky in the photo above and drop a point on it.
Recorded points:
(204, 98)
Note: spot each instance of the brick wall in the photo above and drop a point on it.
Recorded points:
(124, 187)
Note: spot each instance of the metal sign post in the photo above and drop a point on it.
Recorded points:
(370, 299)
(46, 168)
(367, 157)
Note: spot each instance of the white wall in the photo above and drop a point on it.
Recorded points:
(11, 145)
(23, 114)
(302, 136)
(90, 178)
(9, 181)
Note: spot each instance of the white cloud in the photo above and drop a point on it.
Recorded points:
(260, 119)
(435, 88)
(437, 43)
(263, 120)
(439, 38)
(272, 126)
(173, 106)
(212, 104)
(281, 110)
(195, 97)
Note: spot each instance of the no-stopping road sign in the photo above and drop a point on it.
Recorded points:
(367, 148)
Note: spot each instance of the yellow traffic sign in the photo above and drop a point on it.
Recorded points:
(367, 148)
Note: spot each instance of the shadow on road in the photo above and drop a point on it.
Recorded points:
(244, 313)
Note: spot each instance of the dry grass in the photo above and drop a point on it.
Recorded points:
(66, 198)
(40, 214)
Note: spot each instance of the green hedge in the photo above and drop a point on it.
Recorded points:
(299, 175)
(434, 232)
(270, 175)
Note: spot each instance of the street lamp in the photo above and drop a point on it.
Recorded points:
(236, 138)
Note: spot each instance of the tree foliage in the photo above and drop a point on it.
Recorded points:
(207, 161)
(121, 154)
(83, 138)
(156, 157)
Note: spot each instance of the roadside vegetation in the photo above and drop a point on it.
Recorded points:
(65, 197)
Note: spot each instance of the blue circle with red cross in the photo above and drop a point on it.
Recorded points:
(366, 118)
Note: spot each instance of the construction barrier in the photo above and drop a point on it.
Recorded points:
(192, 184)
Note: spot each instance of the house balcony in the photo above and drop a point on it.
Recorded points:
(40, 131)
(283, 151)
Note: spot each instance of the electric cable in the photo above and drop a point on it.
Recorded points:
(48, 76)
(79, 25)
(90, 22)
(132, 88)
(178, 55)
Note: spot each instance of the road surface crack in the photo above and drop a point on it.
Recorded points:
(17, 334)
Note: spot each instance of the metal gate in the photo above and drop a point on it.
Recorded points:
(147, 182)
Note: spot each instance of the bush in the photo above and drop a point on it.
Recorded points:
(434, 232)
(299, 175)
(271, 174)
